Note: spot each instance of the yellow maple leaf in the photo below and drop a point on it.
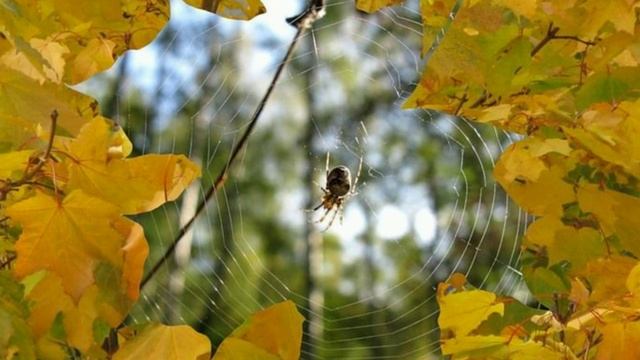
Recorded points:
(462, 312)
(166, 342)
(633, 280)
(566, 243)
(232, 9)
(371, 6)
(533, 173)
(135, 185)
(24, 103)
(96, 56)
(464, 344)
(14, 162)
(70, 236)
(615, 211)
(498, 347)
(608, 276)
(48, 299)
(88, 36)
(276, 330)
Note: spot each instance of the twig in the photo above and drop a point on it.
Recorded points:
(313, 12)
(552, 34)
(574, 38)
(52, 134)
(462, 100)
(9, 185)
(8, 260)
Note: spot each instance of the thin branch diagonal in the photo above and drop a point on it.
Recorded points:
(313, 12)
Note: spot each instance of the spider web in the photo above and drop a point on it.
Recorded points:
(426, 204)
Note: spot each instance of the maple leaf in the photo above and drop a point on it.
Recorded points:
(14, 162)
(15, 338)
(620, 341)
(82, 45)
(232, 9)
(273, 333)
(371, 6)
(134, 185)
(24, 104)
(462, 312)
(566, 243)
(533, 171)
(70, 237)
(166, 342)
(499, 347)
(615, 212)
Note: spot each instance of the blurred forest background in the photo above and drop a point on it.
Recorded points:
(426, 207)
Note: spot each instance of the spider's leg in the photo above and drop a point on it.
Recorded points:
(333, 217)
(326, 167)
(324, 216)
(314, 209)
(355, 180)
(341, 210)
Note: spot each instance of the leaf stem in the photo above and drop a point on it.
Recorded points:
(313, 12)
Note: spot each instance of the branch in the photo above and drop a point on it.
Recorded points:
(313, 12)
(9, 185)
(52, 134)
(552, 34)
(8, 260)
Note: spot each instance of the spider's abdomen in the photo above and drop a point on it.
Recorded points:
(339, 181)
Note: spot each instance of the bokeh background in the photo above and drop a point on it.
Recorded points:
(427, 205)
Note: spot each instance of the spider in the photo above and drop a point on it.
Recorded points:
(338, 189)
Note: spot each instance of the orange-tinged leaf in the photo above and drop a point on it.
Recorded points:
(633, 280)
(166, 342)
(462, 312)
(608, 276)
(232, 9)
(135, 251)
(620, 341)
(135, 185)
(276, 330)
(371, 6)
(67, 236)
